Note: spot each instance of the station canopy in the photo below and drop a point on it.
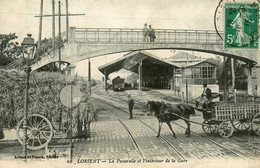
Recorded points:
(130, 61)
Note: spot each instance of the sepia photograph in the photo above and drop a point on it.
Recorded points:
(129, 83)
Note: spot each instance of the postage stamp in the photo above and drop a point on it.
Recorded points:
(241, 26)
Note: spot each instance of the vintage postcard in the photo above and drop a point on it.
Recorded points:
(129, 83)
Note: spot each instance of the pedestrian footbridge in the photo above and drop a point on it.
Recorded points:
(85, 43)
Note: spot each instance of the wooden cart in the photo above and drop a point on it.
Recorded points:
(224, 117)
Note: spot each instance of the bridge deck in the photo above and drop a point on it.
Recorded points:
(136, 35)
(87, 43)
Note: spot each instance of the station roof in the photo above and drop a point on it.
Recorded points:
(182, 56)
(197, 63)
(131, 60)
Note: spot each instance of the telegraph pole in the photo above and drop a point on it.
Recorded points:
(89, 76)
(67, 20)
(40, 26)
(225, 79)
(53, 31)
(53, 26)
(59, 42)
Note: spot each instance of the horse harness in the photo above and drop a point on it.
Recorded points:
(178, 111)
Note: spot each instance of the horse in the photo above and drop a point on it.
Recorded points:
(168, 112)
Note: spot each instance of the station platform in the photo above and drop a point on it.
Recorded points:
(156, 95)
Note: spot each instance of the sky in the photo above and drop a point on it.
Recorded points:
(18, 16)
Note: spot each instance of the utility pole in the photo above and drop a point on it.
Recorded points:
(67, 21)
(225, 79)
(53, 26)
(40, 26)
(89, 76)
(181, 85)
(233, 79)
(187, 90)
(53, 31)
(140, 75)
(59, 42)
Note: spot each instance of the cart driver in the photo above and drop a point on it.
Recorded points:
(205, 97)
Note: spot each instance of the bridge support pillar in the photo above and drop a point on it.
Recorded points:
(70, 70)
(71, 35)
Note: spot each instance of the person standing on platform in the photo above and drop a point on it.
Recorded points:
(130, 106)
(151, 34)
(145, 33)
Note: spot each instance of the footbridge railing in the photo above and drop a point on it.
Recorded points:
(119, 35)
(84, 43)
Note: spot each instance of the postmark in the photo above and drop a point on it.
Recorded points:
(241, 26)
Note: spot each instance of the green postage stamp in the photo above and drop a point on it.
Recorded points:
(241, 26)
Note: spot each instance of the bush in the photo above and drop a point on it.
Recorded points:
(44, 98)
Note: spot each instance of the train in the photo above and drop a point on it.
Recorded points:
(118, 84)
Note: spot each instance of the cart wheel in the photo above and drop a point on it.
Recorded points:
(256, 124)
(225, 129)
(208, 128)
(39, 132)
(241, 125)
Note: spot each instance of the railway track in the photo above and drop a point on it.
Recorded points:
(228, 151)
(137, 141)
(214, 142)
(138, 104)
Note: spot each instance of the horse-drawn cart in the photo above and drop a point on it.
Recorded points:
(225, 117)
(221, 117)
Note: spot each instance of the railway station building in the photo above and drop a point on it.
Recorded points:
(157, 73)
(194, 75)
(153, 72)
(197, 70)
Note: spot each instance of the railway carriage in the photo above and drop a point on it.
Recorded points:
(118, 84)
